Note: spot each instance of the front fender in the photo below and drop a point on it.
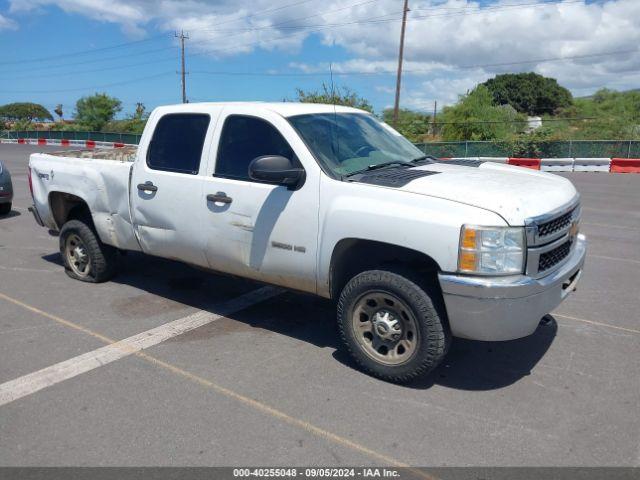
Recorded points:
(418, 222)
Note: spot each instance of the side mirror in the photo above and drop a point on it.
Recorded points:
(277, 170)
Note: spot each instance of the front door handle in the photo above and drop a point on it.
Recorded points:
(149, 187)
(219, 197)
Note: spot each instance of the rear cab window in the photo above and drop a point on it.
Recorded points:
(177, 142)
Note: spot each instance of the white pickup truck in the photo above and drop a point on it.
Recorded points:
(326, 200)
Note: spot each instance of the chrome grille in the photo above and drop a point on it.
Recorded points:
(557, 224)
(550, 239)
(553, 257)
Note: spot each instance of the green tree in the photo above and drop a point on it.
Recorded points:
(58, 111)
(476, 117)
(413, 125)
(606, 115)
(529, 93)
(24, 111)
(97, 110)
(334, 96)
(133, 123)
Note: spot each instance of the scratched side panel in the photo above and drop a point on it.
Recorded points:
(102, 184)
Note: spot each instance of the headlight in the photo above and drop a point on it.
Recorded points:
(491, 250)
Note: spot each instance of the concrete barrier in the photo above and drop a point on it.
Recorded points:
(494, 159)
(625, 165)
(64, 142)
(533, 163)
(556, 164)
(591, 164)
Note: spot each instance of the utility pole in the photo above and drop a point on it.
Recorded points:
(182, 38)
(396, 105)
(435, 111)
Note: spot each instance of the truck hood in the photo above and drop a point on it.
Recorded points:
(514, 193)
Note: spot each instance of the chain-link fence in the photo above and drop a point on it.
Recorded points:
(130, 138)
(565, 149)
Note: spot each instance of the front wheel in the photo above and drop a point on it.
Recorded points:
(85, 257)
(5, 208)
(391, 326)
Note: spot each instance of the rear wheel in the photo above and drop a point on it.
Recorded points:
(85, 257)
(391, 326)
(5, 208)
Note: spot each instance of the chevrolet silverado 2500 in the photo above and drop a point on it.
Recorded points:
(326, 200)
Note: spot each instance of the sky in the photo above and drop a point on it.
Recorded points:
(55, 51)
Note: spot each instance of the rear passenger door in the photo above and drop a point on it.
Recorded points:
(167, 186)
(260, 230)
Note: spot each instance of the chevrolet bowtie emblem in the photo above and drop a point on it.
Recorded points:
(573, 231)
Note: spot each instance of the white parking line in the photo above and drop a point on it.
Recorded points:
(593, 322)
(36, 381)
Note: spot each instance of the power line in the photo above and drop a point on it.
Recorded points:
(262, 12)
(381, 19)
(81, 52)
(166, 48)
(98, 60)
(322, 74)
(127, 44)
(317, 29)
(390, 72)
(96, 87)
(281, 25)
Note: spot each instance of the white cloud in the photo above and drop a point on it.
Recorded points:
(445, 39)
(131, 15)
(7, 23)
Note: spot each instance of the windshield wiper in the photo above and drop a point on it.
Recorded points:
(378, 166)
(422, 159)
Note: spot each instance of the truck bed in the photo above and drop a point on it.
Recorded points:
(124, 154)
(99, 178)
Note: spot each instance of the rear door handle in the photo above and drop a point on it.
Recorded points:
(148, 186)
(219, 197)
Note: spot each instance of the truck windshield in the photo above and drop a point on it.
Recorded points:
(349, 142)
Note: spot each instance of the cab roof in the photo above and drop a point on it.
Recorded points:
(286, 109)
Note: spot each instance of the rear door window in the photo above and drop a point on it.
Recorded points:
(176, 145)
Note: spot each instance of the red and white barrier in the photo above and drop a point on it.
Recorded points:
(557, 164)
(625, 165)
(533, 163)
(591, 164)
(494, 159)
(65, 142)
(613, 165)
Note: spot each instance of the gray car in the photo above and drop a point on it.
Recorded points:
(6, 190)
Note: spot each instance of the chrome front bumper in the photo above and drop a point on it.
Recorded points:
(505, 308)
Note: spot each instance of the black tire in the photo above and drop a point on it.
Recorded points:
(102, 259)
(5, 208)
(433, 336)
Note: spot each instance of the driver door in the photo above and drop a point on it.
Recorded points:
(259, 230)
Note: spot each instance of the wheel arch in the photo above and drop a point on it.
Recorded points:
(351, 256)
(67, 206)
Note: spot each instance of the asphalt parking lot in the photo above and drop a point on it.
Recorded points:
(269, 385)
